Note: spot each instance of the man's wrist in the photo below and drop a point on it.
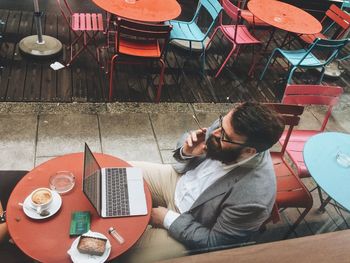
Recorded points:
(169, 218)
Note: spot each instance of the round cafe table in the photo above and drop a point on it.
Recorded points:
(284, 16)
(47, 240)
(320, 156)
(154, 11)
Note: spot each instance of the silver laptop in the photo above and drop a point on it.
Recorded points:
(113, 191)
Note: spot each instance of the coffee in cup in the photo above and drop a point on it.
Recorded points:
(41, 197)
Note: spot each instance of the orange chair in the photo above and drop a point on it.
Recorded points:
(307, 95)
(291, 192)
(137, 43)
(340, 23)
(85, 27)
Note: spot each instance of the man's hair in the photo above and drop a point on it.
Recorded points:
(261, 125)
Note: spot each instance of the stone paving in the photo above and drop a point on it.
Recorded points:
(31, 133)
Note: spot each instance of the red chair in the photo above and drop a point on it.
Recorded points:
(236, 33)
(307, 95)
(137, 43)
(291, 192)
(340, 23)
(85, 27)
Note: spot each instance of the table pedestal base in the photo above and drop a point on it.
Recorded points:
(50, 46)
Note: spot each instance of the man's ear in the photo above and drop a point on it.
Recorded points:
(248, 151)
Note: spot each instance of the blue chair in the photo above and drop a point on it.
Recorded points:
(191, 31)
(319, 54)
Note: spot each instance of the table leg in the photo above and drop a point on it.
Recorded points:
(323, 204)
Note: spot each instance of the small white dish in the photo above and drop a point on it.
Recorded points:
(29, 210)
(78, 257)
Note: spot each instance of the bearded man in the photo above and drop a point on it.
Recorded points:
(220, 191)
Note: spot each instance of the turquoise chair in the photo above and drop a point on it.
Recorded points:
(191, 31)
(319, 54)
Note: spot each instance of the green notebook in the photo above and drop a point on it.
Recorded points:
(80, 223)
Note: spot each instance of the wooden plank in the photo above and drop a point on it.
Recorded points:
(325, 248)
(18, 68)
(49, 76)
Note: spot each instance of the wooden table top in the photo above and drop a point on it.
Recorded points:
(47, 240)
(285, 16)
(142, 10)
(323, 248)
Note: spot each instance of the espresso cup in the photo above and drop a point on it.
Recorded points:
(41, 198)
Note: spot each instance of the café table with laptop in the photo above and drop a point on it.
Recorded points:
(79, 207)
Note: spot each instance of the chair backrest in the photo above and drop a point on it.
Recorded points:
(213, 7)
(340, 19)
(233, 12)
(291, 116)
(329, 49)
(66, 11)
(313, 95)
(142, 32)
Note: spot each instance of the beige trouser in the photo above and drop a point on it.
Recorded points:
(156, 244)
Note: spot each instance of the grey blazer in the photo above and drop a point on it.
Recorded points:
(232, 208)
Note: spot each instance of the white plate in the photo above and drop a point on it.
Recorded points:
(78, 257)
(29, 210)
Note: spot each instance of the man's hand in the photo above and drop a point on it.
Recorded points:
(157, 216)
(195, 143)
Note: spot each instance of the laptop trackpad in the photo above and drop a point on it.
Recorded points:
(137, 197)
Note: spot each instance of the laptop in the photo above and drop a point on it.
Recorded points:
(113, 191)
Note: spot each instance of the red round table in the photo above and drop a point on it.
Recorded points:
(142, 10)
(285, 16)
(47, 240)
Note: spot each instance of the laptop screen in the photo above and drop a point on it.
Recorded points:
(92, 179)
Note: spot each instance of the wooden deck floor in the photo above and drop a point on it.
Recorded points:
(29, 79)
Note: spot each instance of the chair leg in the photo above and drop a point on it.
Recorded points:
(296, 223)
(322, 75)
(291, 75)
(161, 78)
(111, 77)
(267, 65)
(225, 61)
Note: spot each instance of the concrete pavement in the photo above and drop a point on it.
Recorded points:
(31, 133)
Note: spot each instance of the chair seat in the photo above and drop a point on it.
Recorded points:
(295, 149)
(291, 191)
(243, 35)
(186, 31)
(295, 56)
(253, 20)
(311, 38)
(87, 22)
(133, 47)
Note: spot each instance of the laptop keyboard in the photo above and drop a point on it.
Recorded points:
(117, 192)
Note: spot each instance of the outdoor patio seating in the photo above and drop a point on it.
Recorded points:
(336, 24)
(308, 95)
(191, 32)
(236, 33)
(291, 192)
(319, 54)
(85, 27)
(139, 43)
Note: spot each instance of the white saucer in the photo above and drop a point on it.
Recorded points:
(77, 257)
(29, 210)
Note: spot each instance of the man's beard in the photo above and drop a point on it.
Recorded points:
(215, 151)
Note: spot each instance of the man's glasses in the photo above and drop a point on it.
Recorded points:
(224, 137)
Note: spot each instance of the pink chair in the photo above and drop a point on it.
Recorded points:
(236, 33)
(84, 26)
(307, 95)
